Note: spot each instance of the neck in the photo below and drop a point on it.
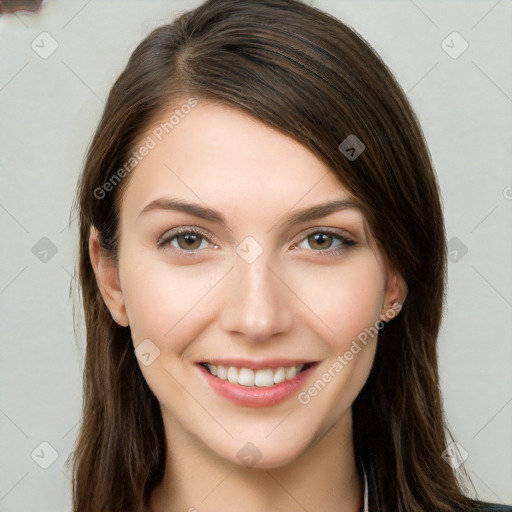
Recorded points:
(323, 477)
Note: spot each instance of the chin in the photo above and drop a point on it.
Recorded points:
(261, 453)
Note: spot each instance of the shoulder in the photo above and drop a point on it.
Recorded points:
(492, 507)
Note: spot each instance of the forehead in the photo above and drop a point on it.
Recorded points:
(231, 161)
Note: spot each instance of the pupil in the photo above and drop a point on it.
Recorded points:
(190, 238)
(321, 235)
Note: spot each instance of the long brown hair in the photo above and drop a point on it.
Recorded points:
(307, 74)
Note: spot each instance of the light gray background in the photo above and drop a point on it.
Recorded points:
(49, 110)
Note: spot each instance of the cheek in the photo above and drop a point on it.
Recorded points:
(161, 299)
(340, 300)
(344, 299)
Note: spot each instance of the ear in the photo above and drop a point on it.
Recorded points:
(107, 277)
(396, 293)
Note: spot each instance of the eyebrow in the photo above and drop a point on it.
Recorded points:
(297, 217)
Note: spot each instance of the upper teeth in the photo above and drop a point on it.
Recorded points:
(250, 378)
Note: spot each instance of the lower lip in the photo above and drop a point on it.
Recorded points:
(257, 396)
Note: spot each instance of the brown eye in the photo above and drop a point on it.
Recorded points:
(320, 240)
(189, 241)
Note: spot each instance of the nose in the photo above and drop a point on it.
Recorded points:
(257, 303)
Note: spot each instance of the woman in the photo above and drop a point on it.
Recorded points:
(263, 265)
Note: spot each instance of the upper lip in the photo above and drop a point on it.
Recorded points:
(256, 364)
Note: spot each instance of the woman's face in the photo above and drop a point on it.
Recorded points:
(262, 289)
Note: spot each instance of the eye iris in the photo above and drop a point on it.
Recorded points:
(322, 236)
(190, 239)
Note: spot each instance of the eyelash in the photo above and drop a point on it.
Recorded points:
(165, 241)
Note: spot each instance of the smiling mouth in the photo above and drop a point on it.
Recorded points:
(247, 377)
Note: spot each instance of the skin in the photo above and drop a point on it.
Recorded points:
(289, 302)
